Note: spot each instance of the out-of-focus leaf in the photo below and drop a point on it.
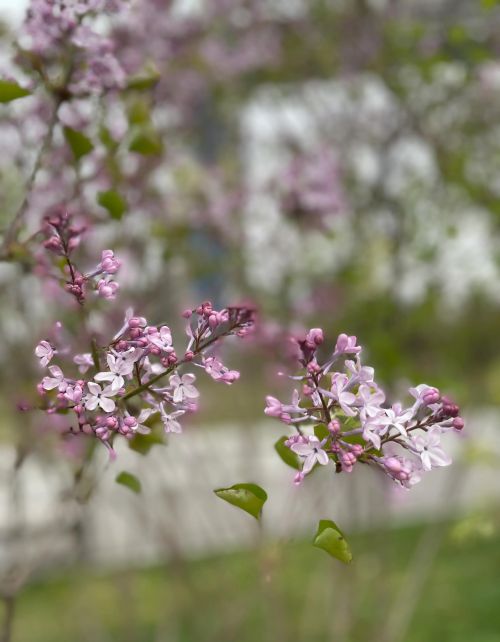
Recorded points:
(144, 79)
(130, 481)
(147, 143)
(331, 539)
(489, 4)
(321, 431)
(289, 457)
(113, 202)
(10, 90)
(142, 444)
(139, 113)
(249, 497)
(79, 143)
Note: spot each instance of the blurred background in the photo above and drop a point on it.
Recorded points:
(335, 163)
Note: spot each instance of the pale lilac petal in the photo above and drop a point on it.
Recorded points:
(48, 383)
(301, 449)
(56, 371)
(94, 388)
(107, 404)
(309, 463)
(191, 392)
(439, 458)
(322, 457)
(91, 403)
(177, 397)
(104, 376)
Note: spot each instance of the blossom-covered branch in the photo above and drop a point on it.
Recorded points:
(351, 421)
(130, 368)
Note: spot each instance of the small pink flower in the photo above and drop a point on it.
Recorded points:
(428, 448)
(183, 388)
(83, 361)
(99, 397)
(218, 371)
(339, 393)
(44, 352)
(56, 381)
(162, 339)
(346, 345)
(313, 453)
(170, 420)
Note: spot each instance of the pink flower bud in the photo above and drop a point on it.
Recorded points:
(313, 367)
(334, 427)
(109, 264)
(299, 478)
(314, 338)
(356, 449)
(392, 464)
(107, 289)
(137, 322)
(431, 396)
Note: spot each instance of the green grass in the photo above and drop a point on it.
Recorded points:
(284, 591)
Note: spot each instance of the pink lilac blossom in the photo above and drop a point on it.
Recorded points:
(120, 398)
(53, 30)
(62, 238)
(311, 188)
(342, 417)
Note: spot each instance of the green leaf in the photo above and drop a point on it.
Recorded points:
(139, 113)
(10, 90)
(142, 444)
(289, 457)
(107, 139)
(113, 202)
(79, 143)
(144, 79)
(147, 143)
(130, 481)
(321, 431)
(331, 539)
(249, 497)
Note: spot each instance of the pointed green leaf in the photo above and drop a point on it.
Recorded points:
(147, 143)
(79, 143)
(113, 202)
(288, 456)
(321, 431)
(331, 539)
(130, 481)
(10, 90)
(249, 497)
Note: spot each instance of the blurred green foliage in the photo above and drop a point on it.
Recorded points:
(290, 592)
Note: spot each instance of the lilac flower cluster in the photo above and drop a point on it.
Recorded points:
(311, 187)
(55, 27)
(62, 237)
(119, 387)
(352, 422)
